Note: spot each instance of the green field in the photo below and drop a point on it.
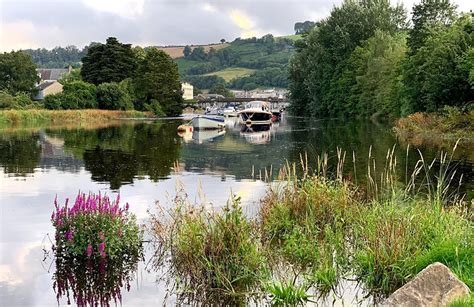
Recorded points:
(232, 73)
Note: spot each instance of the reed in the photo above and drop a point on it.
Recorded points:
(318, 227)
(42, 116)
(211, 256)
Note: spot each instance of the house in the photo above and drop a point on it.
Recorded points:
(188, 91)
(52, 74)
(48, 88)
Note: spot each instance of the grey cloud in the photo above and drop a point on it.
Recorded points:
(163, 22)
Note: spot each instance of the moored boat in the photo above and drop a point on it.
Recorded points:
(256, 113)
(203, 122)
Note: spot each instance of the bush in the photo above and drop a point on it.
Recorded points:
(112, 96)
(154, 107)
(7, 101)
(53, 102)
(98, 246)
(79, 95)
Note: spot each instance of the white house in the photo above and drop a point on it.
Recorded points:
(48, 88)
(188, 91)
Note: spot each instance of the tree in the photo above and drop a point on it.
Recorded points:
(222, 40)
(109, 62)
(187, 51)
(157, 79)
(438, 73)
(303, 27)
(17, 72)
(427, 14)
(111, 96)
(322, 57)
(220, 89)
(198, 54)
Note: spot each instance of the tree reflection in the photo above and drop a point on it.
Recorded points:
(19, 153)
(119, 154)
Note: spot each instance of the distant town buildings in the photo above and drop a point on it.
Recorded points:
(188, 91)
(261, 93)
(48, 88)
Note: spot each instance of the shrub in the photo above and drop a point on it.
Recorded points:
(53, 102)
(7, 101)
(79, 95)
(111, 96)
(154, 107)
(98, 245)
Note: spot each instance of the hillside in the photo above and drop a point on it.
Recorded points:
(242, 64)
(177, 51)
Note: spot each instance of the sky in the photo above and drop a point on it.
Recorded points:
(50, 23)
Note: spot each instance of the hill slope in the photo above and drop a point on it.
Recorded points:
(177, 51)
(241, 64)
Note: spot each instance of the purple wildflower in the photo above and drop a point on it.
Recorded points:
(69, 235)
(89, 251)
(102, 249)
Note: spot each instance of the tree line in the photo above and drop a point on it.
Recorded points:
(365, 59)
(113, 76)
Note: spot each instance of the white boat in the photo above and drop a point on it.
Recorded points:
(256, 113)
(203, 122)
(230, 112)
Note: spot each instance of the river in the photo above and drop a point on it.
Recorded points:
(145, 162)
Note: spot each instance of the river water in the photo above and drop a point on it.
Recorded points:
(145, 162)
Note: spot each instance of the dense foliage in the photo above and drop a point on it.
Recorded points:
(157, 80)
(362, 61)
(58, 57)
(109, 62)
(17, 72)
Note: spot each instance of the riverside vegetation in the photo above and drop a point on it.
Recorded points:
(316, 229)
(98, 246)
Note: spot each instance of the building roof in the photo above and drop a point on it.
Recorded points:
(51, 73)
(44, 85)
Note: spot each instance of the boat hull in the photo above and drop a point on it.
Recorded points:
(255, 118)
(208, 123)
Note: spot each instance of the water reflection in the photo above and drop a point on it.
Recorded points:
(256, 134)
(121, 154)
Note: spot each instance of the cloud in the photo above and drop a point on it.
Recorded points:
(122, 8)
(17, 35)
(50, 23)
(209, 8)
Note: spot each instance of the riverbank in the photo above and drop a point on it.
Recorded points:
(316, 232)
(448, 125)
(47, 117)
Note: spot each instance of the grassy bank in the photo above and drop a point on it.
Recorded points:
(316, 231)
(449, 124)
(40, 116)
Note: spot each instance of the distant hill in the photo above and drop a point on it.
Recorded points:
(242, 64)
(177, 51)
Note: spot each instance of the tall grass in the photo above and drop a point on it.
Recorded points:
(319, 228)
(383, 234)
(41, 116)
(211, 256)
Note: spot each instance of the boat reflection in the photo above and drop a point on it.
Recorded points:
(201, 136)
(256, 134)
